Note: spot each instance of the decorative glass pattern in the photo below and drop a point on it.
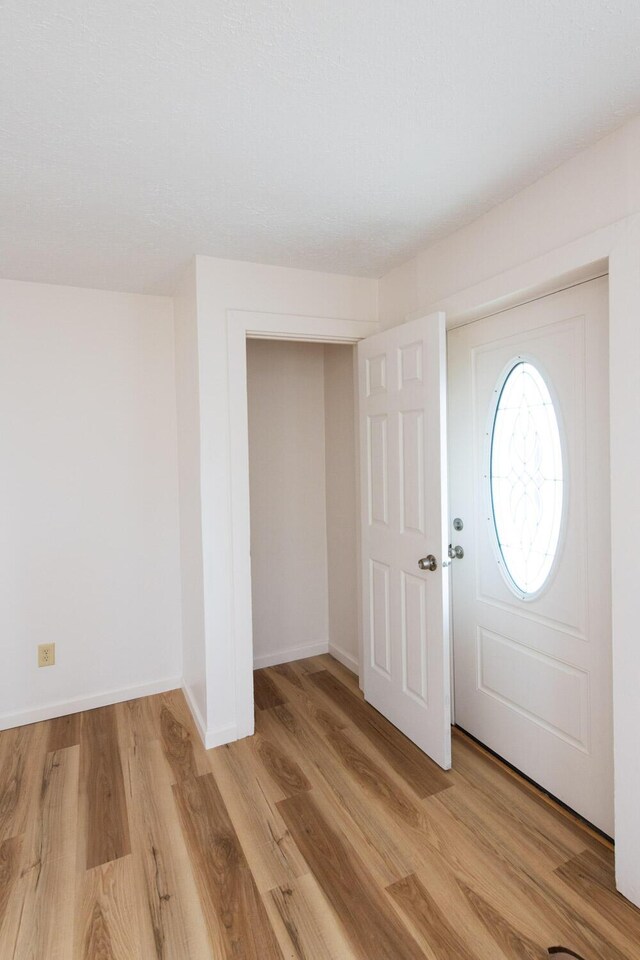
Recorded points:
(527, 486)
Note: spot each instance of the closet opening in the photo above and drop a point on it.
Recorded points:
(303, 477)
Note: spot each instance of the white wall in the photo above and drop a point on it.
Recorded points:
(342, 508)
(597, 187)
(188, 424)
(584, 211)
(88, 485)
(222, 286)
(302, 468)
(288, 500)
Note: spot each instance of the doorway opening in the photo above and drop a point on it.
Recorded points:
(303, 501)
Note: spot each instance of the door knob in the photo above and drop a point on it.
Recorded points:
(455, 553)
(428, 563)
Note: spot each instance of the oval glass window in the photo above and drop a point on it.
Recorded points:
(526, 478)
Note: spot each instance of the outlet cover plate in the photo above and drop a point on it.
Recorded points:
(46, 654)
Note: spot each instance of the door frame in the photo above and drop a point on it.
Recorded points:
(612, 250)
(241, 326)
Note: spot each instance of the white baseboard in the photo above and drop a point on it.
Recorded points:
(218, 738)
(64, 707)
(346, 659)
(198, 719)
(287, 654)
(210, 738)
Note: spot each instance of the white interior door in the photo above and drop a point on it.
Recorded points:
(402, 403)
(529, 461)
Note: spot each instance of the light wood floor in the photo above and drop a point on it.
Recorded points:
(327, 836)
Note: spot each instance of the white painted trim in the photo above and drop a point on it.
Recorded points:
(220, 736)
(583, 259)
(63, 708)
(358, 669)
(346, 659)
(614, 249)
(198, 719)
(287, 326)
(210, 738)
(287, 654)
(240, 325)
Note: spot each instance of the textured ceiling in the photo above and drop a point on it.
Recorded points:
(336, 135)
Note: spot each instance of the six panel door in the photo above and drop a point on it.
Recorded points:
(402, 410)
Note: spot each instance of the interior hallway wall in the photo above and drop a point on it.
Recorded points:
(285, 383)
(89, 492)
(342, 503)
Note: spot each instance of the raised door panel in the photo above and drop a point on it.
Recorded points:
(378, 469)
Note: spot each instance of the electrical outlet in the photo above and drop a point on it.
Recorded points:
(46, 654)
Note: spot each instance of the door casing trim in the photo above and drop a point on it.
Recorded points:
(241, 326)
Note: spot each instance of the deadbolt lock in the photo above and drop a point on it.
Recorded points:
(458, 525)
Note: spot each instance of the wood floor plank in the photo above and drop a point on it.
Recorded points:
(306, 924)
(22, 758)
(423, 776)
(317, 906)
(389, 818)
(164, 717)
(372, 926)
(482, 868)
(526, 858)
(178, 745)
(507, 938)
(265, 692)
(176, 721)
(237, 920)
(376, 782)
(309, 665)
(109, 924)
(165, 878)
(250, 796)
(282, 768)
(356, 790)
(138, 722)
(528, 901)
(338, 794)
(287, 672)
(10, 860)
(341, 673)
(425, 915)
(390, 812)
(487, 774)
(107, 822)
(64, 732)
(493, 819)
(304, 695)
(594, 882)
(39, 916)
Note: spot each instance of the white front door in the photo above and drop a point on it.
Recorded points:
(529, 471)
(402, 409)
